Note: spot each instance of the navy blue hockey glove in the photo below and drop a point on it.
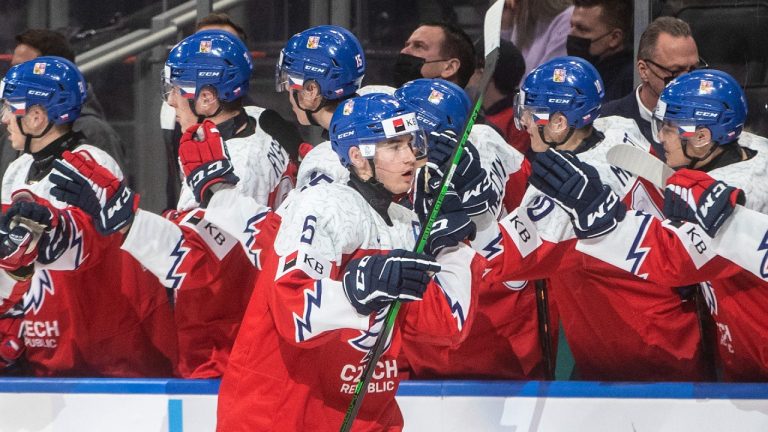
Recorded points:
(576, 187)
(696, 197)
(470, 181)
(452, 225)
(44, 221)
(81, 182)
(18, 246)
(205, 162)
(374, 281)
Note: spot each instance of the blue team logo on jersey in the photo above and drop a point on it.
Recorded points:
(540, 207)
(367, 338)
(764, 263)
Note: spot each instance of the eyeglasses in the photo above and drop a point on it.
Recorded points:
(672, 74)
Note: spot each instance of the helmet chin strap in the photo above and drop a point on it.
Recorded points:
(29, 137)
(694, 159)
(373, 169)
(309, 112)
(554, 144)
(202, 117)
(374, 192)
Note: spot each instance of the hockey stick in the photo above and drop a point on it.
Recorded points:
(640, 163)
(492, 38)
(545, 340)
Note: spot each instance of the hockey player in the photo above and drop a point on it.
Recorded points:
(319, 68)
(206, 76)
(283, 131)
(442, 106)
(617, 327)
(340, 258)
(506, 311)
(83, 314)
(699, 121)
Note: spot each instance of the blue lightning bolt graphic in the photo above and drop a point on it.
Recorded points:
(252, 232)
(179, 252)
(637, 253)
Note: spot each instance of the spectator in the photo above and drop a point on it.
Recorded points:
(221, 21)
(666, 50)
(600, 31)
(436, 50)
(538, 28)
(34, 43)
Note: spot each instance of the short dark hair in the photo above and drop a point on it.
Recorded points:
(615, 13)
(221, 19)
(457, 44)
(675, 27)
(48, 42)
(510, 66)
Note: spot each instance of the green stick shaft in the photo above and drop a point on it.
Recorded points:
(492, 37)
(389, 321)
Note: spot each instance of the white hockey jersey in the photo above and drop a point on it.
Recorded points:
(259, 161)
(302, 345)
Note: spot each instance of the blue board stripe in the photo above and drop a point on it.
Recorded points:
(108, 385)
(175, 416)
(585, 389)
(579, 389)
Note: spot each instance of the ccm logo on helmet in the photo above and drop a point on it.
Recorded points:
(314, 69)
(208, 74)
(705, 114)
(38, 93)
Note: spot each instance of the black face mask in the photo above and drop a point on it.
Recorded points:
(579, 47)
(407, 68)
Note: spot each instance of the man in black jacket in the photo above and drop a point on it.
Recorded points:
(666, 50)
(601, 34)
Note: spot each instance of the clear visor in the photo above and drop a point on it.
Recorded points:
(662, 128)
(184, 89)
(398, 148)
(285, 81)
(12, 108)
(526, 115)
